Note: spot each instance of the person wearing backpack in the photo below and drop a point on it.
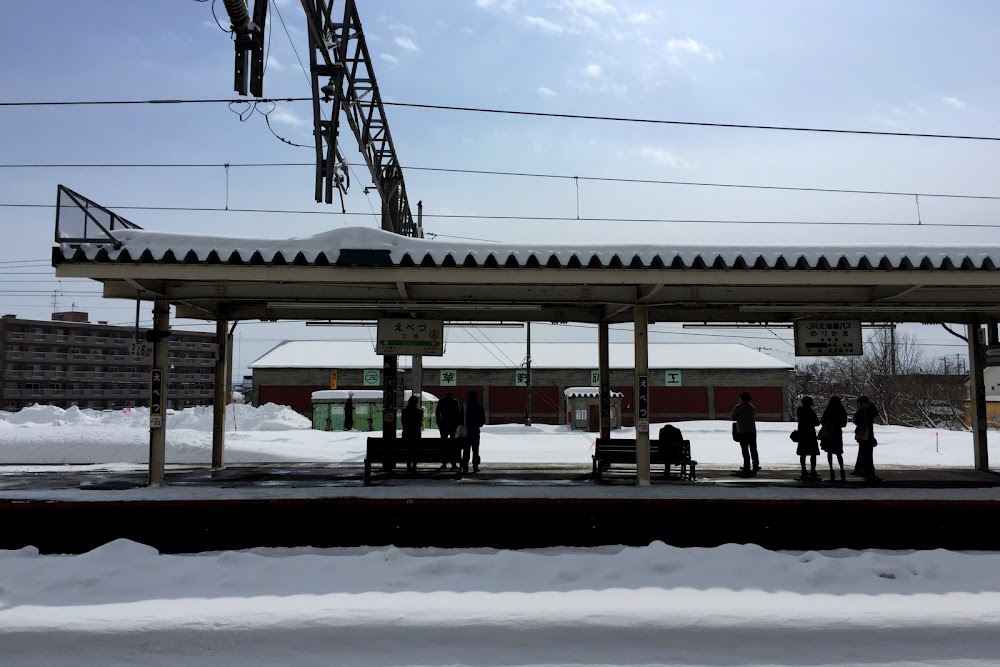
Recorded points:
(744, 416)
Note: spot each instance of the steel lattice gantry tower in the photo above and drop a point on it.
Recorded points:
(342, 73)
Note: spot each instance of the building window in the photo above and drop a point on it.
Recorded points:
(16, 335)
(33, 388)
(79, 339)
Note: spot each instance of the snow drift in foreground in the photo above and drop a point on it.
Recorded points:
(730, 605)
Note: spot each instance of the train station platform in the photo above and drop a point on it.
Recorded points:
(71, 509)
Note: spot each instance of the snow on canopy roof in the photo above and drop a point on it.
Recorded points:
(363, 395)
(361, 246)
(674, 356)
(573, 392)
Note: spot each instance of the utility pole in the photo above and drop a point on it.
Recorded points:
(527, 400)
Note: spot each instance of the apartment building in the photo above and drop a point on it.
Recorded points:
(72, 361)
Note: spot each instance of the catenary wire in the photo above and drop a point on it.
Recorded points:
(513, 112)
(521, 174)
(537, 218)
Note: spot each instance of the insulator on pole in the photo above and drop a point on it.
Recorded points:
(239, 15)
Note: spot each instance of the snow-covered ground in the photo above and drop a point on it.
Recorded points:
(125, 604)
(46, 434)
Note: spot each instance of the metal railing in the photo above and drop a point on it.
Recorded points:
(80, 220)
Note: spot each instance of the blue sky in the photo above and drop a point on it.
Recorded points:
(901, 66)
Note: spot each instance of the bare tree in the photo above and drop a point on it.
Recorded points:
(892, 372)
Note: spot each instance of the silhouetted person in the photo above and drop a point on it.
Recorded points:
(349, 414)
(745, 415)
(473, 418)
(808, 445)
(864, 433)
(412, 419)
(448, 414)
(831, 434)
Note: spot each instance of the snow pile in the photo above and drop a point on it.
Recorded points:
(730, 605)
(269, 417)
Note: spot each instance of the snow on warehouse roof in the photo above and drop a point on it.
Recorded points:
(573, 392)
(363, 395)
(361, 246)
(337, 354)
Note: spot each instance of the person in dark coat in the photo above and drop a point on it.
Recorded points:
(864, 433)
(412, 419)
(349, 414)
(448, 413)
(745, 414)
(473, 418)
(831, 434)
(808, 445)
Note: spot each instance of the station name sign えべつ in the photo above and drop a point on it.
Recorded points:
(423, 338)
(828, 338)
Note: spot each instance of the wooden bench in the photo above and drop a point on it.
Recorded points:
(622, 451)
(423, 450)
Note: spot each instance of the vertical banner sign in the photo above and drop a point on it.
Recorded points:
(156, 398)
(389, 398)
(605, 401)
(333, 379)
(642, 405)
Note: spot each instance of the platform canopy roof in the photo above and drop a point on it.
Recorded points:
(360, 273)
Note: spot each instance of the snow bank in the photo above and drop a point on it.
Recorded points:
(269, 417)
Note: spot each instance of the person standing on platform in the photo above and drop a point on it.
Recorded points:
(447, 414)
(744, 416)
(473, 418)
(831, 434)
(412, 419)
(808, 445)
(864, 433)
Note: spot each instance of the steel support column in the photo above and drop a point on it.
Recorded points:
(161, 361)
(977, 402)
(641, 377)
(389, 368)
(604, 373)
(219, 400)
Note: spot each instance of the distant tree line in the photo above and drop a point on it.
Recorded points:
(908, 390)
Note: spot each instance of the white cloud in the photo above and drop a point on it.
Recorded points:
(273, 64)
(543, 24)
(406, 43)
(405, 29)
(500, 5)
(389, 58)
(954, 102)
(638, 19)
(593, 70)
(679, 49)
(546, 92)
(287, 117)
(590, 6)
(661, 157)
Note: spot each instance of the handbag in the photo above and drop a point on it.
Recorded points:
(794, 435)
(460, 431)
(861, 433)
(736, 433)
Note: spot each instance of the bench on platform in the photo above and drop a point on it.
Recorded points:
(423, 450)
(622, 451)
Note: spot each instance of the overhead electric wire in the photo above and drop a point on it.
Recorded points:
(514, 112)
(521, 174)
(537, 218)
